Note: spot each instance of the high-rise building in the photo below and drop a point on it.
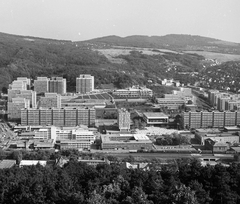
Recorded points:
(124, 119)
(58, 116)
(30, 95)
(41, 85)
(51, 100)
(58, 85)
(20, 84)
(14, 107)
(84, 83)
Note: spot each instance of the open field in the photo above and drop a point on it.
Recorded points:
(217, 56)
(112, 53)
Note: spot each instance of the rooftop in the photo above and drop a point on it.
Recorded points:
(155, 114)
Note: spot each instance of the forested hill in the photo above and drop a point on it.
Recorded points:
(122, 66)
(173, 41)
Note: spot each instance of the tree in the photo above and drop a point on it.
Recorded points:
(4, 90)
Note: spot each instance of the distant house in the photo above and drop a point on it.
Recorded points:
(215, 146)
(144, 166)
(32, 163)
(6, 164)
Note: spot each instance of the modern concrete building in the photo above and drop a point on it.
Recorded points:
(27, 94)
(133, 92)
(84, 83)
(124, 120)
(58, 85)
(22, 83)
(155, 118)
(205, 119)
(14, 108)
(41, 85)
(171, 103)
(58, 116)
(50, 100)
(126, 141)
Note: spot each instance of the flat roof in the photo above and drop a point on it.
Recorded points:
(233, 128)
(208, 130)
(107, 138)
(155, 115)
(4, 164)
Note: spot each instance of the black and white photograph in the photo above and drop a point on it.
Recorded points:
(119, 102)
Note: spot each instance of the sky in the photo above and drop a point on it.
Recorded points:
(79, 20)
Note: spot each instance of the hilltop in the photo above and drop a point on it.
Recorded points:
(122, 61)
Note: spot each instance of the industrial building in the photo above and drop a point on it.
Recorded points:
(58, 116)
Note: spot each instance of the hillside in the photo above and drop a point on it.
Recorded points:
(173, 42)
(107, 59)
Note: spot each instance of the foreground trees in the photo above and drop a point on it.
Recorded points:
(79, 183)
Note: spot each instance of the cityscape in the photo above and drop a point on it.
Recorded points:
(119, 102)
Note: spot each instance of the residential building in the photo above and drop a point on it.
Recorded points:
(215, 146)
(84, 83)
(205, 119)
(50, 100)
(124, 120)
(22, 83)
(14, 107)
(58, 85)
(58, 116)
(41, 85)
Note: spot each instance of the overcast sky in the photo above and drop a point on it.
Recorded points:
(86, 19)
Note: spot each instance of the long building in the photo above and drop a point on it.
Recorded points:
(210, 119)
(58, 116)
(126, 141)
(133, 92)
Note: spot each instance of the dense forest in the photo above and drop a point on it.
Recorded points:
(77, 182)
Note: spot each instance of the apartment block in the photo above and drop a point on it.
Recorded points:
(14, 107)
(22, 83)
(58, 116)
(50, 100)
(124, 120)
(41, 85)
(58, 85)
(210, 119)
(84, 83)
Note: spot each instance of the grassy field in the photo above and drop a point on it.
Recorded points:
(218, 56)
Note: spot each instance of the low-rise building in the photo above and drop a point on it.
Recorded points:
(133, 92)
(125, 141)
(216, 135)
(155, 118)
